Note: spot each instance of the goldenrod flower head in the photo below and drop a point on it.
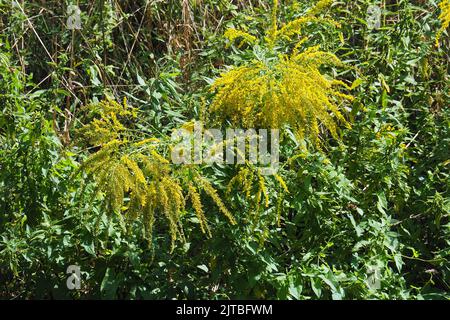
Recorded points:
(106, 124)
(136, 178)
(233, 34)
(283, 90)
(289, 91)
(444, 17)
(197, 205)
(320, 6)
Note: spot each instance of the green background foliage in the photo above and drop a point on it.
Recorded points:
(379, 197)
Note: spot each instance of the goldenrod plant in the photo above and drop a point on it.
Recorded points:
(135, 178)
(275, 90)
(444, 17)
(86, 182)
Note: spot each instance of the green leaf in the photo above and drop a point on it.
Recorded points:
(316, 286)
(141, 81)
(382, 202)
(203, 267)
(110, 283)
(295, 291)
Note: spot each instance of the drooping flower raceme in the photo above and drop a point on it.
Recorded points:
(283, 89)
(444, 17)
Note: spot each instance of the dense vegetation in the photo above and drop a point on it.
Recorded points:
(86, 176)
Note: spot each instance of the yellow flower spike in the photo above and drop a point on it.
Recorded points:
(444, 17)
(208, 188)
(282, 183)
(320, 6)
(263, 189)
(147, 141)
(272, 34)
(197, 205)
(233, 34)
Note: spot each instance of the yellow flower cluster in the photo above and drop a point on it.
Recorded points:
(137, 181)
(233, 34)
(444, 17)
(197, 205)
(292, 91)
(287, 31)
(254, 187)
(385, 131)
(286, 91)
(295, 27)
(106, 124)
